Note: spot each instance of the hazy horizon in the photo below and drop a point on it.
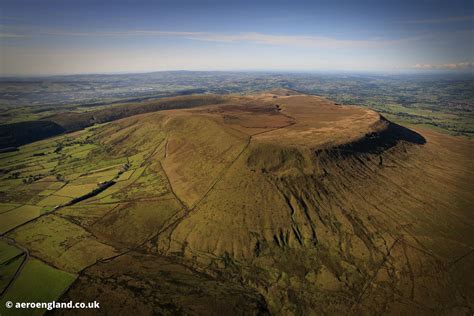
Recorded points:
(87, 37)
(402, 72)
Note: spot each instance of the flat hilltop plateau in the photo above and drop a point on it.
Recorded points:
(270, 203)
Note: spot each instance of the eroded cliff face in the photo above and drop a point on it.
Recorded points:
(303, 206)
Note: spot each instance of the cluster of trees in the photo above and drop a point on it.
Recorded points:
(33, 178)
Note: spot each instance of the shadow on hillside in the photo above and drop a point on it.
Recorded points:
(17, 134)
(376, 143)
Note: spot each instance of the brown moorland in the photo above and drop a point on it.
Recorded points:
(275, 203)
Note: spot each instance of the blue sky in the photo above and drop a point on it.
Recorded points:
(65, 37)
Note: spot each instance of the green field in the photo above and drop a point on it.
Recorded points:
(30, 287)
(39, 182)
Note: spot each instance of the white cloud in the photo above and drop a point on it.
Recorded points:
(451, 66)
(443, 20)
(290, 40)
(252, 37)
(11, 35)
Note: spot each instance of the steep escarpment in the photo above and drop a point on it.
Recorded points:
(355, 227)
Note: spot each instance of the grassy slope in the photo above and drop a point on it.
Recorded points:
(218, 191)
(368, 230)
(21, 133)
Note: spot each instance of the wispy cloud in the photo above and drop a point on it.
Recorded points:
(442, 20)
(290, 40)
(118, 33)
(250, 37)
(12, 35)
(450, 66)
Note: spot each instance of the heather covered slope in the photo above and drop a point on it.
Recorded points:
(370, 220)
(276, 202)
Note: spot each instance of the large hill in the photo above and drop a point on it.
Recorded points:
(277, 202)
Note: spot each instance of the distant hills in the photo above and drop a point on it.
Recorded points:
(442, 101)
